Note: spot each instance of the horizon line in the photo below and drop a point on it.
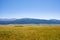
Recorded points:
(32, 18)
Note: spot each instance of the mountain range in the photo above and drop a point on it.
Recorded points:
(29, 21)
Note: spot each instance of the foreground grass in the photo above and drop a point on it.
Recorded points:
(44, 32)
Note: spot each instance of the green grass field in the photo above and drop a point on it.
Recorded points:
(30, 32)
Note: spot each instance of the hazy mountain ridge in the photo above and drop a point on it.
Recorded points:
(29, 21)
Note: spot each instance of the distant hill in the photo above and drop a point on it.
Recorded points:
(29, 21)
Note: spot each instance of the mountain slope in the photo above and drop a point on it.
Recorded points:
(29, 21)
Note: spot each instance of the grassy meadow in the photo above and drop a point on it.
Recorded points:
(29, 32)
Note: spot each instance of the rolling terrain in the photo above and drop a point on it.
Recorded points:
(29, 21)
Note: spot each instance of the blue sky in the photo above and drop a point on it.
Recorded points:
(41, 9)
